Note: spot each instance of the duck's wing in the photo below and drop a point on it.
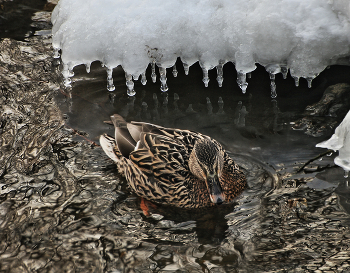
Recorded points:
(162, 157)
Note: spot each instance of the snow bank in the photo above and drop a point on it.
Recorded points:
(340, 141)
(302, 36)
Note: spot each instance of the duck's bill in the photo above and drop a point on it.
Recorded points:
(215, 192)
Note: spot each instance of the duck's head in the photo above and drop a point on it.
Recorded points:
(206, 162)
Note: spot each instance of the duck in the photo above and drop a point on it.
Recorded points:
(176, 167)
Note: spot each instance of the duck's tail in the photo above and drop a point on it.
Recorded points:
(109, 147)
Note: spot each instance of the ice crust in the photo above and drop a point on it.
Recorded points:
(302, 36)
(340, 141)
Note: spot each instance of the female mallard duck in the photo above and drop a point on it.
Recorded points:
(172, 166)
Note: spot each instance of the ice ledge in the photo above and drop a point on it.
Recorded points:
(301, 36)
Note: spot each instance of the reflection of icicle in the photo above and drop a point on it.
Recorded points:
(186, 68)
(209, 107)
(296, 80)
(165, 104)
(242, 114)
(131, 103)
(174, 71)
(165, 100)
(163, 84)
(276, 112)
(143, 78)
(237, 113)
(176, 98)
(220, 73)
(205, 77)
(155, 99)
(110, 85)
(190, 109)
(241, 80)
(272, 76)
(130, 85)
(284, 71)
(221, 106)
(145, 112)
(87, 67)
(273, 89)
(153, 75)
(155, 111)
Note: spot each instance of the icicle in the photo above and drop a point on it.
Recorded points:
(309, 81)
(110, 85)
(67, 73)
(284, 71)
(346, 174)
(221, 106)
(296, 80)
(135, 77)
(241, 80)
(205, 77)
(163, 84)
(330, 154)
(143, 78)
(249, 75)
(273, 89)
(174, 71)
(87, 67)
(153, 75)
(130, 85)
(209, 107)
(56, 52)
(272, 76)
(220, 73)
(186, 68)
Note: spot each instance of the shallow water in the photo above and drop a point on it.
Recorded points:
(72, 212)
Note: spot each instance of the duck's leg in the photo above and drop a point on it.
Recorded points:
(145, 206)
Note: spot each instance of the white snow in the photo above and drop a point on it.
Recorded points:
(304, 36)
(340, 141)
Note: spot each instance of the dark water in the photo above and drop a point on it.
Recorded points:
(74, 213)
(276, 219)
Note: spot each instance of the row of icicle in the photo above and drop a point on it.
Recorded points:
(241, 76)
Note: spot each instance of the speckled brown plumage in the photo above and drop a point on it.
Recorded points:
(172, 166)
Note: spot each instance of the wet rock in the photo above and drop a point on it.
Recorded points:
(334, 105)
